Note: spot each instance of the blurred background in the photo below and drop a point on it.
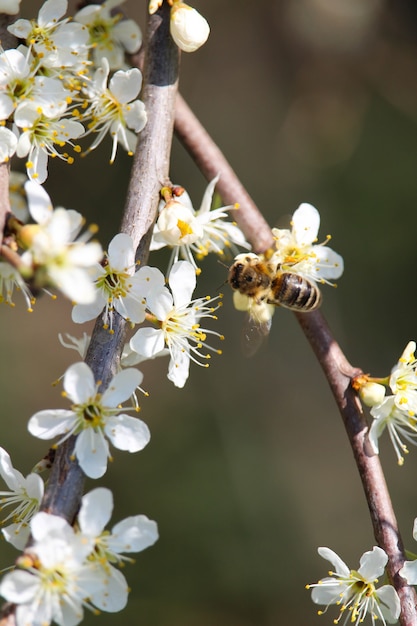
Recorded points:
(249, 469)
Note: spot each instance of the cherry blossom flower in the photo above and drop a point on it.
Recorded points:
(178, 324)
(54, 255)
(132, 534)
(354, 591)
(110, 35)
(25, 496)
(95, 417)
(116, 289)
(297, 252)
(400, 425)
(194, 234)
(40, 137)
(57, 43)
(114, 109)
(53, 579)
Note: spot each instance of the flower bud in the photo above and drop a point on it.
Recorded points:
(154, 6)
(372, 394)
(188, 28)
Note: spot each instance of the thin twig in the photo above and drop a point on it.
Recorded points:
(336, 367)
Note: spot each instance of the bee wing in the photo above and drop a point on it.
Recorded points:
(254, 334)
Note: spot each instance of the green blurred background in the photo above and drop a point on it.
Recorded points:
(249, 469)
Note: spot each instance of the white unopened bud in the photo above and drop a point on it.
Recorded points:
(189, 29)
(372, 394)
(154, 6)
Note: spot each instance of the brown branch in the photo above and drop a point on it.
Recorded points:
(336, 367)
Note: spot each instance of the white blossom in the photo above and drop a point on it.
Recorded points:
(110, 35)
(400, 426)
(95, 417)
(54, 255)
(177, 318)
(116, 289)
(57, 43)
(115, 109)
(354, 592)
(296, 250)
(25, 495)
(194, 234)
(54, 579)
(132, 534)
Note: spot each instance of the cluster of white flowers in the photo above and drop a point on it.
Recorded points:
(189, 29)
(69, 568)
(396, 412)
(51, 94)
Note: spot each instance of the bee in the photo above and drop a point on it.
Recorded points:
(266, 284)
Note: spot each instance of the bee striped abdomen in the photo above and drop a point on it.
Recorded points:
(295, 292)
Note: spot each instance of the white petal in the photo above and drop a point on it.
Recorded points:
(39, 202)
(129, 34)
(19, 586)
(148, 342)
(121, 387)
(136, 116)
(92, 451)
(113, 592)
(85, 312)
(12, 477)
(51, 11)
(127, 433)
(208, 196)
(329, 264)
(323, 594)
(182, 280)
(389, 603)
(409, 572)
(372, 564)
(160, 303)
(79, 383)
(51, 423)
(339, 565)
(95, 512)
(179, 367)
(126, 85)
(306, 223)
(17, 535)
(121, 252)
(133, 534)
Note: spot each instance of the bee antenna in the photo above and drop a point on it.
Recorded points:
(224, 265)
